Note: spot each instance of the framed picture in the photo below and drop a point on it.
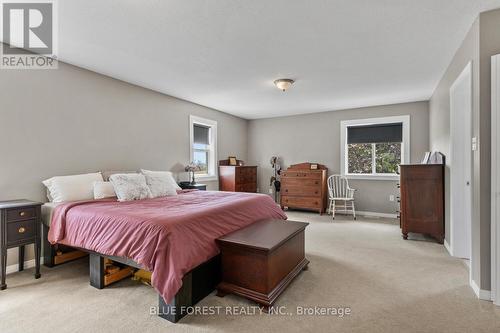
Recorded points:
(314, 166)
(232, 160)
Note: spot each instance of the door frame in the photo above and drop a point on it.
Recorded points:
(495, 179)
(464, 231)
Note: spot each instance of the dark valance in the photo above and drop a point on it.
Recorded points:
(375, 133)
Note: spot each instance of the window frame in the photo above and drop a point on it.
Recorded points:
(405, 146)
(212, 156)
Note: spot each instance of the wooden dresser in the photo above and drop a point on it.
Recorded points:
(304, 188)
(237, 178)
(422, 200)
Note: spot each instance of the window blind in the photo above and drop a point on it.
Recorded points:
(201, 134)
(375, 133)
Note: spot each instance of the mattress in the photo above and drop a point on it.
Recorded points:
(47, 210)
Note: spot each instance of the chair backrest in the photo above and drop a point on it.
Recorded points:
(338, 186)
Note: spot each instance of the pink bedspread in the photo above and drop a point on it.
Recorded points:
(168, 236)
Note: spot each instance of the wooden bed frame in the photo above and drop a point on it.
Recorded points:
(54, 255)
(196, 284)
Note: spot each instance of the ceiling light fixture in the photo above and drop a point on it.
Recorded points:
(283, 84)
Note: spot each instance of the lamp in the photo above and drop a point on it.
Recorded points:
(192, 167)
(283, 84)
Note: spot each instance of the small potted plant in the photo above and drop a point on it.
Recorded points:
(192, 167)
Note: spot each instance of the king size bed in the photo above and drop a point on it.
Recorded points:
(173, 237)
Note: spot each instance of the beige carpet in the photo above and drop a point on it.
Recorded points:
(391, 285)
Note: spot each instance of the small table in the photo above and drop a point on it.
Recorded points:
(187, 186)
(261, 260)
(19, 226)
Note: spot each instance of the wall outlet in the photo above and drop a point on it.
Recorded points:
(391, 197)
(270, 191)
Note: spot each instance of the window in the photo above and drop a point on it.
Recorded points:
(203, 146)
(374, 148)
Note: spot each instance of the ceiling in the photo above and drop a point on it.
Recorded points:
(225, 54)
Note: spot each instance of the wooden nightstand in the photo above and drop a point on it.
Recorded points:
(201, 187)
(19, 226)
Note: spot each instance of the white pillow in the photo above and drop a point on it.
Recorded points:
(130, 186)
(161, 183)
(103, 190)
(71, 188)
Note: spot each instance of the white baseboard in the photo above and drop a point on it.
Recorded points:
(482, 294)
(27, 264)
(375, 214)
(448, 247)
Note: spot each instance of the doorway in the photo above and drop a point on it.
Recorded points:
(461, 164)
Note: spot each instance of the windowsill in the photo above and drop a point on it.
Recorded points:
(373, 177)
(206, 178)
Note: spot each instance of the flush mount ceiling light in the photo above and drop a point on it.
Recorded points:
(283, 84)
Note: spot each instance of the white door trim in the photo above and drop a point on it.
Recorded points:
(495, 179)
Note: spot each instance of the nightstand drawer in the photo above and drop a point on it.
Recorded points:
(21, 214)
(18, 231)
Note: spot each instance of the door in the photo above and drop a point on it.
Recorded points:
(461, 164)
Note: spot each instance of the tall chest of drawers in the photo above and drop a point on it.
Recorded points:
(422, 200)
(304, 188)
(238, 178)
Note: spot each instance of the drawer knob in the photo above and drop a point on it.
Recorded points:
(22, 213)
(21, 230)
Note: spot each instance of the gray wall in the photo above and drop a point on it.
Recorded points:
(439, 109)
(316, 138)
(70, 120)
(482, 41)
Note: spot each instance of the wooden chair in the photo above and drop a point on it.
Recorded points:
(339, 190)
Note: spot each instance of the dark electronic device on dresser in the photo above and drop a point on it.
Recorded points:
(237, 178)
(19, 226)
(422, 197)
(304, 186)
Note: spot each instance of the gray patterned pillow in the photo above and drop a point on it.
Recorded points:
(161, 183)
(130, 186)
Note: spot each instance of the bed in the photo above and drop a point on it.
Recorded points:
(172, 237)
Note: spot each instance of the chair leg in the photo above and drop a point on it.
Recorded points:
(353, 210)
(333, 209)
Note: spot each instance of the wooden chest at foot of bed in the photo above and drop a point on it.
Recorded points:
(261, 260)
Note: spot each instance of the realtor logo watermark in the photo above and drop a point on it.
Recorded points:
(29, 34)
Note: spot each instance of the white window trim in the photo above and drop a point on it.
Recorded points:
(212, 167)
(405, 149)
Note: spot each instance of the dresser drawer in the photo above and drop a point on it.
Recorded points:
(300, 182)
(21, 214)
(252, 188)
(300, 202)
(305, 191)
(20, 230)
(302, 174)
(246, 179)
(246, 171)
